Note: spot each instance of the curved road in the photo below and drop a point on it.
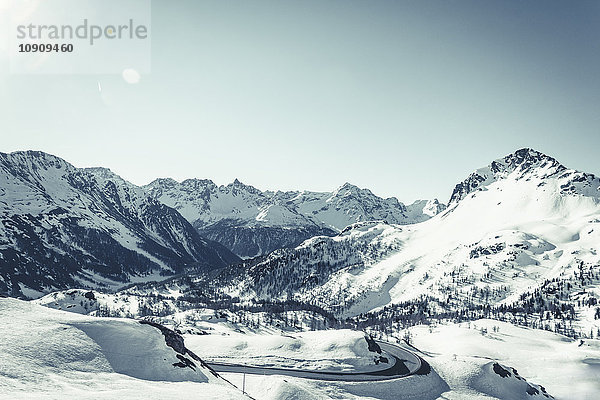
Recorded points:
(404, 363)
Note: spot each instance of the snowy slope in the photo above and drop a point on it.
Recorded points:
(251, 222)
(531, 220)
(567, 369)
(52, 354)
(61, 226)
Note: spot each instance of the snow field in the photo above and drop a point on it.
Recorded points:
(49, 354)
(332, 350)
(463, 358)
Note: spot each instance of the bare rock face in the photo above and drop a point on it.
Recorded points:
(175, 341)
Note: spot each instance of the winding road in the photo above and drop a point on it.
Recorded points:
(404, 363)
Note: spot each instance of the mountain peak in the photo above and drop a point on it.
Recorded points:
(350, 189)
(526, 158)
(31, 154)
(237, 186)
(519, 164)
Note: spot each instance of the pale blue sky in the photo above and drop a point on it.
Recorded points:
(405, 98)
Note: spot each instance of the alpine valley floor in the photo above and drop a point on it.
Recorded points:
(52, 354)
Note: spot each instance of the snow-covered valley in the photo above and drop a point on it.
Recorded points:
(50, 354)
(504, 278)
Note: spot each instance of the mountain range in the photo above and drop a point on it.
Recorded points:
(522, 232)
(251, 222)
(62, 226)
(515, 232)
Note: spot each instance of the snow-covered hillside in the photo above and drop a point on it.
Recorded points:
(464, 355)
(251, 222)
(48, 354)
(62, 226)
(532, 221)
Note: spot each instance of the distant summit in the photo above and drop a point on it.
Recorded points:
(522, 164)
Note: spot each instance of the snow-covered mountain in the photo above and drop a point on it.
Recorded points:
(527, 164)
(521, 229)
(251, 222)
(518, 230)
(62, 226)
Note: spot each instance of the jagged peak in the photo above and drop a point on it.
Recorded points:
(349, 186)
(348, 189)
(525, 158)
(170, 183)
(237, 186)
(524, 161)
(31, 154)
